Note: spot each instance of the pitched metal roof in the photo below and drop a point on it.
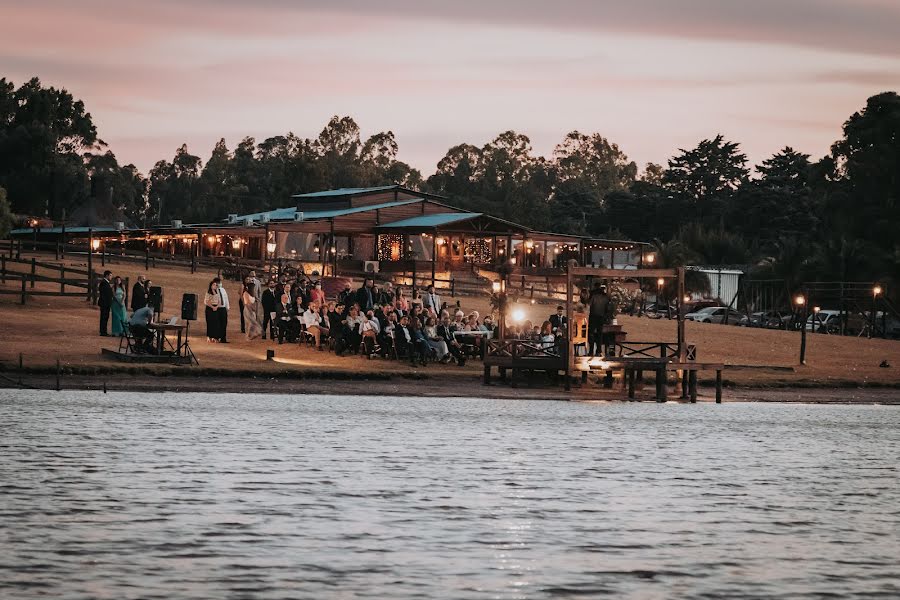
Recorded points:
(287, 214)
(29, 230)
(346, 192)
(435, 220)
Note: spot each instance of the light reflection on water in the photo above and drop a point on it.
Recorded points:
(242, 495)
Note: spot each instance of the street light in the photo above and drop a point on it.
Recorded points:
(800, 301)
(650, 258)
(270, 247)
(876, 291)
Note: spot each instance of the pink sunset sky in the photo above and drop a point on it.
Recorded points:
(650, 75)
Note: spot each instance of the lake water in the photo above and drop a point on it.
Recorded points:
(259, 496)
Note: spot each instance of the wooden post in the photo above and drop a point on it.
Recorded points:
(90, 265)
(718, 386)
(660, 385)
(631, 378)
(681, 348)
(570, 330)
(433, 254)
(57, 250)
(21, 363)
(57, 375)
(23, 290)
(33, 271)
(146, 255)
(62, 279)
(684, 384)
(487, 375)
(692, 385)
(3, 269)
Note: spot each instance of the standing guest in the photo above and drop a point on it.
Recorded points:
(435, 341)
(386, 294)
(313, 322)
(559, 320)
(365, 296)
(140, 328)
(241, 301)
(432, 300)
(269, 302)
(401, 302)
(119, 313)
(250, 312)
(257, 284)
(599, 312)
(317, 295)
(138, 294)
(223, 311)
(213, 303)
(345, 296)
(105, 301)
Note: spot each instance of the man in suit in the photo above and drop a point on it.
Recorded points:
(432, 300)
(445, 332)
(407, 344)
(366, 296)
(104, 301)
(386, 294)
(138, 294)
(559, 320)
(223, 310)
(257, 284)
(288, 325)
(269, 302)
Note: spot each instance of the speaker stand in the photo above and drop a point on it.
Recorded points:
(185, 348)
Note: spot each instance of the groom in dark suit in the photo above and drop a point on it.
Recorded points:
(104, 301)
(139, 294)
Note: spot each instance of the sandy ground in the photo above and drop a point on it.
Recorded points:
(49, 328)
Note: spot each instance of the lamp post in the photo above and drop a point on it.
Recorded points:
(800, 301)
(499, 289)
(876, 291)
(659, 295)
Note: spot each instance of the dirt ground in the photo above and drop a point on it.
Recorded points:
(51, 328)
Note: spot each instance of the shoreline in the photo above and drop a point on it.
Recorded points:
(417, 384)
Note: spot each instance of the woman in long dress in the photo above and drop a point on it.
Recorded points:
(117, 311)
(252, 324)
(435, 341)
(213, 301)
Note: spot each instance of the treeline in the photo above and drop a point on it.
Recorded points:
(835, 218)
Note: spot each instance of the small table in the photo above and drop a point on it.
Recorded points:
(161, 329)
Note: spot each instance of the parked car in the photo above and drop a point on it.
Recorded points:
(715, 314)
(698, 305)
(826, 321)
(768, 319)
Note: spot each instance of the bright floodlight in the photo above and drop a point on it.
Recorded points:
(876, 290)
(660, 282)
(95, 244)
(518, 315)
(800, 300)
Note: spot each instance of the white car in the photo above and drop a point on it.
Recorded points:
(714, 314)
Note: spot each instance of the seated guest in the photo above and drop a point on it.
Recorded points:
(435, 341)
(488, 325)
(445, 332)
(558, 320)
(407, 343)
(313, 322)
(386, 337)
(369, 330)
(459, 322)
(399, 309)
(401, 303)
(420, 340)
(547, 337)
(352, 337)
(288, 325)
(386, 294)
(140, 328)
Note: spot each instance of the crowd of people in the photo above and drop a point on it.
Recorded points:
(370, 320)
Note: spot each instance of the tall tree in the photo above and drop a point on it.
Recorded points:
(708, 175)
(43, 134)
